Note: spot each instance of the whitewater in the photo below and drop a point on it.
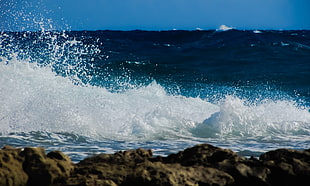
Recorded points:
(87, 93)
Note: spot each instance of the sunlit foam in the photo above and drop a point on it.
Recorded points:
(34, 99)
(238, 117)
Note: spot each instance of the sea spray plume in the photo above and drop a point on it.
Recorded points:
(68, 56)
(21, 15)
(28, 16)
(65, 55)
(29, 34)
(239, 117)
(29, 62)
(39, 41)
(37, 100)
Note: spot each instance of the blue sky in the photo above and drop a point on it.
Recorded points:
(153, 14)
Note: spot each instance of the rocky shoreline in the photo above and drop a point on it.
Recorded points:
(199, 165)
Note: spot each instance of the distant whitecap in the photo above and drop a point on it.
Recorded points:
(257, 31)
(224, 28)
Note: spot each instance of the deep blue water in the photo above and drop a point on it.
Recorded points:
(86, 92)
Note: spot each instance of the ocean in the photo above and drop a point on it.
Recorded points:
(91, 92)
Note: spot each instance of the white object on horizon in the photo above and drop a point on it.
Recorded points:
(257, 31)
(224, 28)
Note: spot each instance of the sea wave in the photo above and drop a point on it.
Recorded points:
(70, 89)
(35, 99)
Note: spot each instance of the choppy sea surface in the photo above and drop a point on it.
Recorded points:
(90, 92)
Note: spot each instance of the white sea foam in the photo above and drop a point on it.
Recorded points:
(237, 117)
(35, 99)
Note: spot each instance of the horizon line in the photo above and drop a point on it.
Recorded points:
(154, 30)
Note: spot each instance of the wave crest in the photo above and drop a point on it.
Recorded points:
(238, 117)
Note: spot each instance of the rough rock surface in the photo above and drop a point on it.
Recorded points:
(200, 165)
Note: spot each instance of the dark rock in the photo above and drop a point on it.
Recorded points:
(135, 168)
(242, 170)
(288, 167)
(158, 173)
(43, 169)
(11, 167)
(203, 154)
(199, 165)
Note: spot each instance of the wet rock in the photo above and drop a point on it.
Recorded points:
(31, 166)
(199, 165)
(203, 154)
(288, 167)
(243, 171)
(135, 168)
(45, 169)
(11, 167)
